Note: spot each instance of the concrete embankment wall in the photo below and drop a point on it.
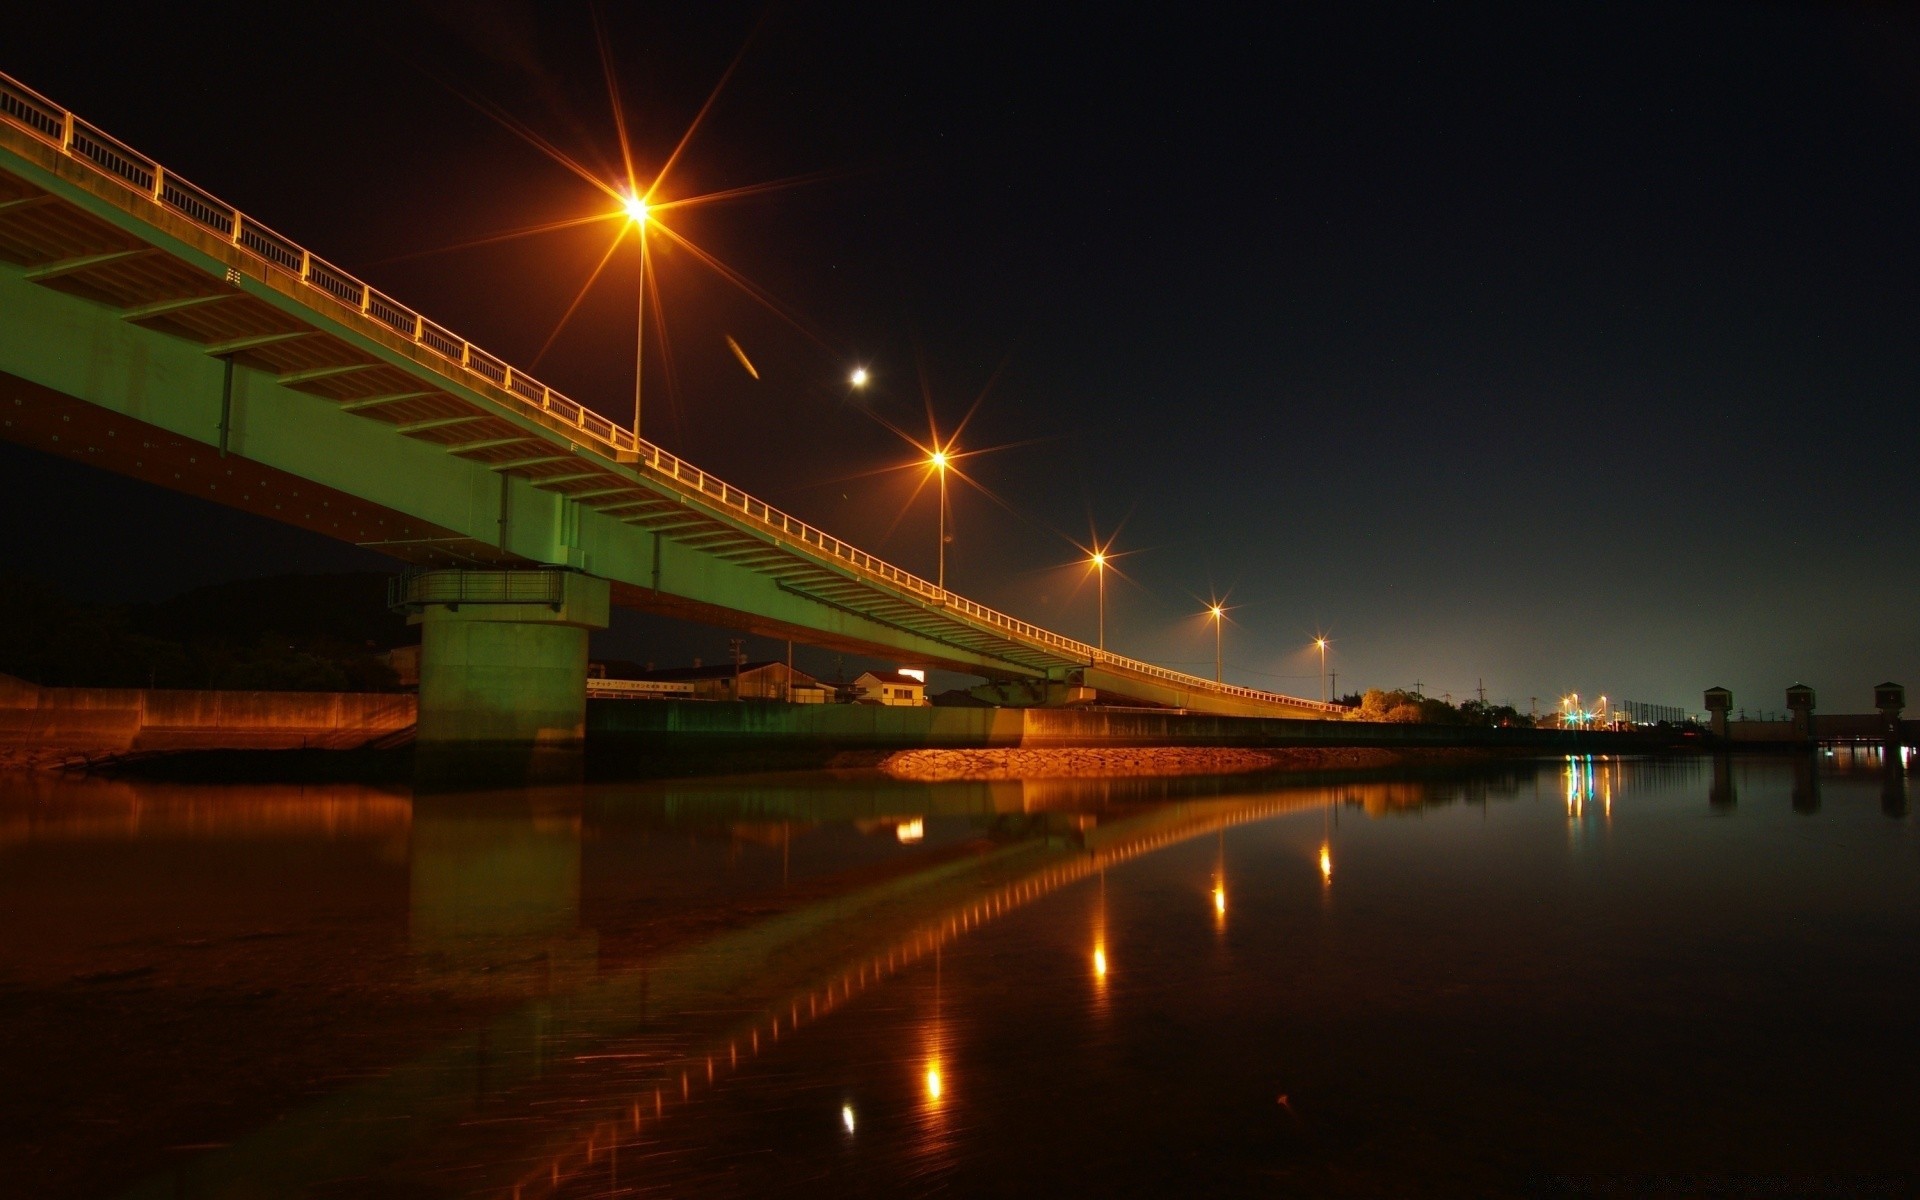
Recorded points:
(637, 727)
(49, 725)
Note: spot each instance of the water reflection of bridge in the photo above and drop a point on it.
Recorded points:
(496, 903)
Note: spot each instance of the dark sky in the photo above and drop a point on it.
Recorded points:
(1570, 346)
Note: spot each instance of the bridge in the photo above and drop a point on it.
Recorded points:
(153, 330)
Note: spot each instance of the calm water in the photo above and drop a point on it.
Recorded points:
(1564, 977)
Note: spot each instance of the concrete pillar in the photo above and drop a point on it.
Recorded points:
(1800, 704)
(1719, 703)
(503, 673)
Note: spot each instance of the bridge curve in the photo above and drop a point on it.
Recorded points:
(158, 332)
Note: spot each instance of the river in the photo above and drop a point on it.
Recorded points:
(1562, 977)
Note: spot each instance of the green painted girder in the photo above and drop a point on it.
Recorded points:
(109, 358)
(142, 324)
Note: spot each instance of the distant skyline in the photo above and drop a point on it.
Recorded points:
(1568, 348)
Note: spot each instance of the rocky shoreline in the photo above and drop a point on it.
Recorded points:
(1095, 762)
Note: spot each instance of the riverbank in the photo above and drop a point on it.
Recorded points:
(1109, 762)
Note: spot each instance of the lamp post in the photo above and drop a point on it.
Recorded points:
(1099, 561)
(938, 461)
(1216, 612)
(1321, 642)
(637, 213)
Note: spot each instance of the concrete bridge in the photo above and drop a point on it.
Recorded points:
(153, 330)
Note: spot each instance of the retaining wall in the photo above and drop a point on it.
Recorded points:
(41, 725)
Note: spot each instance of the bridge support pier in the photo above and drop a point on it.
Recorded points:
(503, 673)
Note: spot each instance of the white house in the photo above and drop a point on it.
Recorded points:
(899, 689)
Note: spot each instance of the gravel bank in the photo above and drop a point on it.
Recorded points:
(1092, 762)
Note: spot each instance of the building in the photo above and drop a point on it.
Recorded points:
(747, 681)
(904, 688)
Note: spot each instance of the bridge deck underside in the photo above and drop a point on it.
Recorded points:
(166, 276)
(66, 248)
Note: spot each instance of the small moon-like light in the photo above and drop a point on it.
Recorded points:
(846, 1116)
(859, 377)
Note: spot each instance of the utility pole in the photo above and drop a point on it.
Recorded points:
(1483, 692)
(1336, 683)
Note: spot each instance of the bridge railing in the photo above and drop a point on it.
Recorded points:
(461, 360)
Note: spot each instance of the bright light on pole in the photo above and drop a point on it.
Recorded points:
(859, 377)
(636, 208)
(938, 461)
(1099, 561)
(1322, 643)
(1216, 612)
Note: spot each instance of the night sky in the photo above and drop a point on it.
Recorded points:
(1572, 347)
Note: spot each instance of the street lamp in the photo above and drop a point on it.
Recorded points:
(859, 377)
(1321, 642)
(1216, 612)
(636, 207)
(1099, 561)
(938, 461)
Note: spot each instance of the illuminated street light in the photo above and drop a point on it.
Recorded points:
(938, 461)
(1216, 612)
(636, 208)
(1099, 561)
(859, 377)
(1321, 642)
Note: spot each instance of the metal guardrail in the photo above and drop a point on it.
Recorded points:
(466, 363)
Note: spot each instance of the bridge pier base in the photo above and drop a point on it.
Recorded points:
(503, 673)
